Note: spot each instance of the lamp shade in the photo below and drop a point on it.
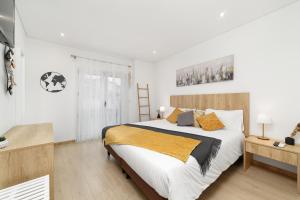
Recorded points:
(162, 109)
(264, 119)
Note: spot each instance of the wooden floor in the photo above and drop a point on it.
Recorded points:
(82, 172)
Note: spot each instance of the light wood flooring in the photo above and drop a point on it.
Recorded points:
(82, 172)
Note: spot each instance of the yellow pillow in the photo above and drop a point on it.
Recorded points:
(210, 122)
(197, 113)
(173, 116)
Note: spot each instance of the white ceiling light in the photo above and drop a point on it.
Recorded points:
(222, 14)
(154, 52)
(62, 35)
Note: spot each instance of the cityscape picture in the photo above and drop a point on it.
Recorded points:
(221, 69)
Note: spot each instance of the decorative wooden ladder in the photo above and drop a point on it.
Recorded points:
(140, 105)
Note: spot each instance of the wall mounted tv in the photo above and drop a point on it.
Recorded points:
(7, 22)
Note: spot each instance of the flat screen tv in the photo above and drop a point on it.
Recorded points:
(7, 22)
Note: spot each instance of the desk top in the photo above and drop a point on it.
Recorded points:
(26, 136)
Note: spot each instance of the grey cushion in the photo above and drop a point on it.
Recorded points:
(186, 118)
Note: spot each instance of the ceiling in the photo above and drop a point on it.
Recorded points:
(134, 28)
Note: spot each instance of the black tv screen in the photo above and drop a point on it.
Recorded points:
(7, 22)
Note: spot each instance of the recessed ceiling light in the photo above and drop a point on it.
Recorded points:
(62, 35)
(222, 14)
(154, 52)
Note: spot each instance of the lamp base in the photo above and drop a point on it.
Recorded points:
(263, 138)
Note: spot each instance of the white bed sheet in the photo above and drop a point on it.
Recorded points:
(170, 177)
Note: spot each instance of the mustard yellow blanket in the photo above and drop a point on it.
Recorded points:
(172, 145)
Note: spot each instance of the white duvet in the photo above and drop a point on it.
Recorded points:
(170, 177)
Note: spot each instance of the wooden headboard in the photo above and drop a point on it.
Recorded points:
(228, 101)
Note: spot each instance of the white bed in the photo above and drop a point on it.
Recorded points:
(170, 177)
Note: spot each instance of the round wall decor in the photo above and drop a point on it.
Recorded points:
(53, 82)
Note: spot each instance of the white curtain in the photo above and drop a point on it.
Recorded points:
(103, 98)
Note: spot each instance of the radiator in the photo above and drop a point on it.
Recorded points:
(37, 189)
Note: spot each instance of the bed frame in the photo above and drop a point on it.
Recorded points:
(228, 101)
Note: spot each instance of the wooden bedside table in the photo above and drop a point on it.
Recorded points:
(289, 154)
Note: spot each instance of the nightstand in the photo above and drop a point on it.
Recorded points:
(289, 154)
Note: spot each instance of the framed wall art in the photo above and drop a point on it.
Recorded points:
(217, 70)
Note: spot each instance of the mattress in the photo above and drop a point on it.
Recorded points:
(172, 178)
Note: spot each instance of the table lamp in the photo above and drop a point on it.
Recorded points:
(263, 119)
(162, 109)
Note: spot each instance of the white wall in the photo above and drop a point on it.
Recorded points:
(267, 64)
(11, 107)
(61, 108)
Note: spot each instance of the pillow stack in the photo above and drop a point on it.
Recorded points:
(185, 116)
(208, 120)
(232, 119)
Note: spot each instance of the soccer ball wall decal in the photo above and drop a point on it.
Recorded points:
(53, 82)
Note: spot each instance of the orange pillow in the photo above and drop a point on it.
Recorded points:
(210, 122)
(173, 116)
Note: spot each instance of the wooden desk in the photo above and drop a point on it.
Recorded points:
(30, 155)
(289, 154)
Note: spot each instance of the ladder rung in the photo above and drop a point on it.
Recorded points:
(144, 114)
(143, 97)
(144, 106)
(143, 88)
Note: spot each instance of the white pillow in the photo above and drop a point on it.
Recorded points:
(232, 119)
(168, 112)
(186, 109)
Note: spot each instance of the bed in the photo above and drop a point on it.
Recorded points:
(160, 176)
